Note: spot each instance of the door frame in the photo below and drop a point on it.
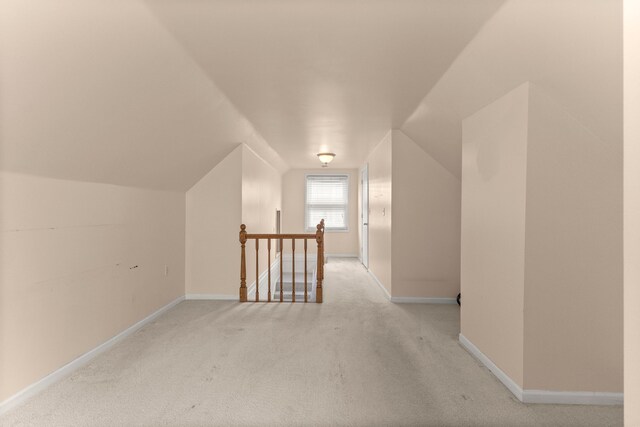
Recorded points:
(364, 215)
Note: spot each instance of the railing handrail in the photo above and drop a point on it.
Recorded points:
(319, 275)
(281, 236)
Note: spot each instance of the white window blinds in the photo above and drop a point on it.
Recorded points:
(327, 197)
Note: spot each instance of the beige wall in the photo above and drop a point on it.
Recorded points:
(261, 193)
(213, 215)
(293, 194)
(573, 268)
(631, 212)
(379, 163)
(426, 223)
(261, 197)
(242, 189)
(542, 245)
(68, 275)
(494, 156)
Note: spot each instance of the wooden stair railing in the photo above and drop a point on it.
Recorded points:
(318, 237)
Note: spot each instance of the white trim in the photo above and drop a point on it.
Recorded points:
(386, 292)
(216, 297)
(341, 256)
(77, 363)
(572, 397)
(543, 396)
(423, 300)
(364, 214)
(504, 378)
(410, 300)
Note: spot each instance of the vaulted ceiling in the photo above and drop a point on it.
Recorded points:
(572, 49)
(155, 93)
(324, 75)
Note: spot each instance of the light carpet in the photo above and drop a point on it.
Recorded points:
(355, 360)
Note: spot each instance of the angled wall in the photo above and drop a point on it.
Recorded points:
(414, 222)
(213, 215)
(426, 224)
(243, 188)
(494, 167)
(573, 269)
(261, 197)
(79, 263)
(542, 250)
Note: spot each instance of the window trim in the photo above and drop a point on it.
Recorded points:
(346, 210)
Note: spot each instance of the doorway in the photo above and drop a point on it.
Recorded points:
(364, 216)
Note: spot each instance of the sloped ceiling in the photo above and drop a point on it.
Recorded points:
(154, 93)
(324, 75)
(98, 91)
(572, 49)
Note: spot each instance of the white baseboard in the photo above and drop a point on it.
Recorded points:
(572, 397)
(543, 396)
(423, 300)
(386, 292)
(67, 369)
(504, 378)
(215, 297)
(411, 300)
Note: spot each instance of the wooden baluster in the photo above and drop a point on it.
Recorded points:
(243, 264)
(257, 274)
(269, 270)
(293, 270)
(320, 266)
(305, 270)
(281, 283)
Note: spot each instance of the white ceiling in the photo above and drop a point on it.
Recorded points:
(154, 93)
(324, 75)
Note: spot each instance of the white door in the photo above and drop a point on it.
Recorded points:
(364, 243)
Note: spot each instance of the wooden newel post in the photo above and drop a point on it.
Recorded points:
(243, 264)
(320, 273)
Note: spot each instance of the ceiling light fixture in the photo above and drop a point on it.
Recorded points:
(325, 158)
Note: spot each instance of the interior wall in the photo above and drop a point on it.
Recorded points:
(79, 263)
(426, 223)
(103, 92)
(293, 195)
(380, 204)
(494, 167)
(631, 212)
(261, 193)
(261, 197)
(213, 215)
(573, 269)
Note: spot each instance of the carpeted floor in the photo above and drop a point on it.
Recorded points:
(357, 359)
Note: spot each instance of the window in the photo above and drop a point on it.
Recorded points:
(327, 197)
